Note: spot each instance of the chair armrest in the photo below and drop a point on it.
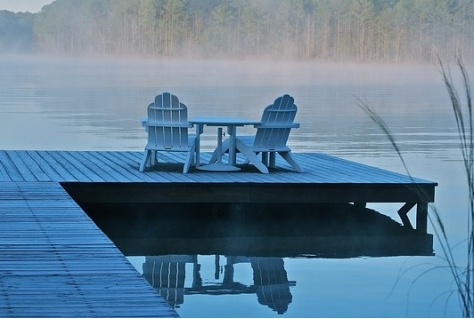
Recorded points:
(149, 124)
(292, 125)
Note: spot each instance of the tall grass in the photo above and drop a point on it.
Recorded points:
(462, 272)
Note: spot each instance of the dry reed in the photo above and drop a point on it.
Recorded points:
(462, 274)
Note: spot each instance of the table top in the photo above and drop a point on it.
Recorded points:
(222, 120)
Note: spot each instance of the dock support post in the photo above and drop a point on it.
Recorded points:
(422, 217)
(402, 212)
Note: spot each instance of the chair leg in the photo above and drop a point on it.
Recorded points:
(265, 158)
(190, 159)
(289, 158)
(246, 160)
(272, 163)
(146, 158)
(251, 156)
(153, 158)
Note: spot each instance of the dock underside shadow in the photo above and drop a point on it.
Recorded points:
(284, 230)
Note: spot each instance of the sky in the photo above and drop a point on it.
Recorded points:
(32, 6)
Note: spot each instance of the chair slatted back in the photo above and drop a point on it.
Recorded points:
(167, 124)
(277, 121)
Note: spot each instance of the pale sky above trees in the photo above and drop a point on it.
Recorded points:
(23, 5)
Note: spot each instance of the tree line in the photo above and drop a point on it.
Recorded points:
(358, 30)
(16, 33)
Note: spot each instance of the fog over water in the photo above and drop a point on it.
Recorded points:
(96, 104)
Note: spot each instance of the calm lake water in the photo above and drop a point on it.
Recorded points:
(73, 104)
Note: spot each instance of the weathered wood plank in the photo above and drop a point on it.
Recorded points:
(48, 160)
(23, 169)
(96, 175)
(56, 262)
(4, 176)
(130, 162)
(68, 167)
(123, 167)
(9, 167)
(33, 166)
(104, 170)
(49, 171)
(116, 166)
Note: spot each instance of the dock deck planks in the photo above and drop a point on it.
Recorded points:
(122, 166)
(101, 176)
(54, 261)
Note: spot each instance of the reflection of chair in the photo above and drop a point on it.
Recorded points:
(167, 126)
(271, 137)
(167, 275)
(271, 283)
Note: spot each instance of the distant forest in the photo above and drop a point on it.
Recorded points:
(355, 30)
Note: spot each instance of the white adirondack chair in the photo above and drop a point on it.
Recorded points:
(167, 126)
(271, 137)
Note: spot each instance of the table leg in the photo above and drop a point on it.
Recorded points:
(199, 130)
(232, 147)
(219, 145)
(218, 165)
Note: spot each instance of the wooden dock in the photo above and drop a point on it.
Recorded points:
(56, 262)
(113, 176)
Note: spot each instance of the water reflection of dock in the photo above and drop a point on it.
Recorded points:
(167, 275)
(310, 231)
